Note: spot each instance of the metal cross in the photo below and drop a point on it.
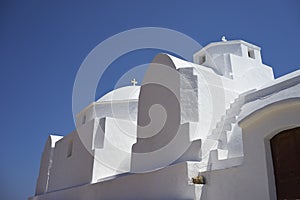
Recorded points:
(133, 82)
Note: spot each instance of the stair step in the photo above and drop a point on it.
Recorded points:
(217, 131)
(223, 126)
(218, 154)
(223, 141)
(232, 112)
(222, 154)
(207, 146)
(237, 103)
(230, 119)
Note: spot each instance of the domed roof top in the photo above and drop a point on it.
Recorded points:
(123, 93)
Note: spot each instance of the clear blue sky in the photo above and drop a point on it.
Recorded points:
(43, 43)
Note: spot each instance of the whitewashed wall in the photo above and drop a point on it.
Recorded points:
(261, 120)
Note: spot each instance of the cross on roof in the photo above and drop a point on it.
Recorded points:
(133, 82)
(224, 39)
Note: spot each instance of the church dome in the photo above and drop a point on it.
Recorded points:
(121, 94)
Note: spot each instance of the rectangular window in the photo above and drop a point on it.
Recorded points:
(84, 119)
(70, 148)
(251, 53)
(202, 60)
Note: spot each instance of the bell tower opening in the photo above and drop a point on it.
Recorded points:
(251, 53)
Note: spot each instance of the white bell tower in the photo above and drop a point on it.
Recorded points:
(235, 59)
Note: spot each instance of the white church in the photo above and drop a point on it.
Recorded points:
(219, 128)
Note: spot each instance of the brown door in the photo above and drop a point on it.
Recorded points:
(286, 162)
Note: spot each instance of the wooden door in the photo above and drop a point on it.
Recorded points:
(286, 162)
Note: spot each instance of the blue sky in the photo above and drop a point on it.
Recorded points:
(43, 43)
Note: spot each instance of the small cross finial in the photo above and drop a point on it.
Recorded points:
(133, 82)
(223, 39)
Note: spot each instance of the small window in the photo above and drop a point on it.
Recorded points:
(70, 148)
(251, 53)
(84, 119)
(202, 60)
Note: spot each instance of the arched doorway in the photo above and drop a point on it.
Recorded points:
(285, 148)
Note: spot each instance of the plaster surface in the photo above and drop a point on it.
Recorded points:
(212, 118)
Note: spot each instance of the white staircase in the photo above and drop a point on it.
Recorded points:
(225, 140)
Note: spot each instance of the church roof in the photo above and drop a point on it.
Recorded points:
(229, 42)
(177, 63)
(120, 94)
